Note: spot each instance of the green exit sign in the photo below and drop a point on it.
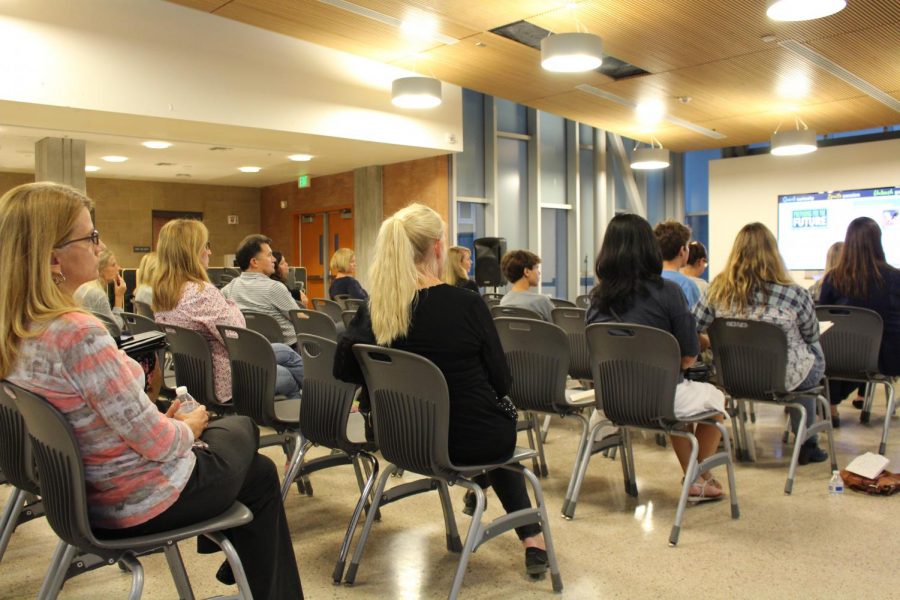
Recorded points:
(303, 181)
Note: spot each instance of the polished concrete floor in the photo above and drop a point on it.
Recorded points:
(807, 545)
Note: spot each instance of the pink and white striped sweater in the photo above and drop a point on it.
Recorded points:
(136, 459)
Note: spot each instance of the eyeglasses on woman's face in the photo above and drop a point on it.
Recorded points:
(94, 237)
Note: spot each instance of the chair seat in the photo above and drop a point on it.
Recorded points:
(518, 455)
(287, 411)
(235, 516)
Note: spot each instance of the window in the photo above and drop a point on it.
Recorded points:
(512, 191)
(696, 193)
(588, 207)
(469, 226)
(554, 252)
(511, 117)
(553, 159)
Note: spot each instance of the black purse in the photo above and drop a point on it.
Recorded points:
(509, 409)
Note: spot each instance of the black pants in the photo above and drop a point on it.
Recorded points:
(838, 390)
(231, 470)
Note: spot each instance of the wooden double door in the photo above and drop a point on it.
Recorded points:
(321, 234)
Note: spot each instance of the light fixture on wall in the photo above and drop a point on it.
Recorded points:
(571, 52)
(416, 92)
(647, 159)
(802, 10)
(794, 141)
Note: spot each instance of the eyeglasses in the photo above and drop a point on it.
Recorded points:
(94, 237)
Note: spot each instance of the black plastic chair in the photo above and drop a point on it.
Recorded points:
(514, 311)
(194, 366)
(571, 320)
(353, 304)
(751, 361)
(583, 301)
(143, 309)
(265, 325)
(313, 322)
(492, 296)
(411, 416)
(326, 420)
(253, 376)
(328, 307)
(851, 348)
(135, 323)
(561, 303)
(636, 370)
(61, 469)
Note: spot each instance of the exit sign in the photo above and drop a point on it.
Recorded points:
(303, 181)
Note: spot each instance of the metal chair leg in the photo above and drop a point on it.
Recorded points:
(56, 572)
(454, 544)
(539, 442)
(729, 467)
(689, 477)
(866, 413)
(137, 576)
(10, 518)
(799, 438)
(569, 507)
(579, 456)
(301, 446)
(555, 576)
(363, 501)
(473, 536)
(370, 518)
(179, 574)
(237, 568)
(891, 405)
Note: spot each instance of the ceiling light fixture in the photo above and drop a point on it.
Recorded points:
(91, 168)
(571, 52)
(802, 10)
(114, 159)
(249, 169)
(650, 112)
(654, 157)
(156, 144)
(300, 157)
(416, 92)
(795, 141)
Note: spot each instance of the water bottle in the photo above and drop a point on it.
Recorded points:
(836, 485)
(187, 401)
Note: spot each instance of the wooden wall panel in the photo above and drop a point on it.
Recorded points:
(426, 181)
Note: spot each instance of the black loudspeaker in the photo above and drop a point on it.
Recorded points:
(488, 252)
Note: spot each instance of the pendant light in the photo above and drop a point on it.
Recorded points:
(802, 10)
(571, 52)
(794, 142)
(416, 92)
(647, 159)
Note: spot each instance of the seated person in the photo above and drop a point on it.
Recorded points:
(831, 258)
(183, 296)
(144, 474)
(862, 277)
(696, 264)
(673, 238)
(343, 269)
(146, 272)
(631, 289)
(256, 291)
(523, 269)
(282, 268)
(92, 295)
(411, 309)
(755, 285)
(456, 271)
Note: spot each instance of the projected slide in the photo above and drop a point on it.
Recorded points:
(809, 223)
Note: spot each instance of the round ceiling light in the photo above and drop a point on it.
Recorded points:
(645, 159)
(416, 92)
(571, 52)
(300, 157)
(114, 159)
(156, 144)
(802, 10)
(249, 169)
(794, 142)
(91, 168)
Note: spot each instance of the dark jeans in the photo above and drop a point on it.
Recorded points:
(231, 470)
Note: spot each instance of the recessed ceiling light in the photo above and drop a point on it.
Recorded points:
(802, 10)
(249, 169)
(91, 168)
(793, 85)
(114, 158)
(156, 144)
(650, 112)
(300, 157)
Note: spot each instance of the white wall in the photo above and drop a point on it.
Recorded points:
(746, 189)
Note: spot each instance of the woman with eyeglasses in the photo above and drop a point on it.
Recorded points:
(143, 472)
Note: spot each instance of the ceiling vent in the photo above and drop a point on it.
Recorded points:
(185, 175)
(531, 35)
(219, 148)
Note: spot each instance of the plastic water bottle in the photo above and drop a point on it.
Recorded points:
(836, 485)
(188, 403)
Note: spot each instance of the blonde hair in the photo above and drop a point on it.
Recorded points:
(454, 272)
(340, 260)
(834, 253)
(147, 270)
(178, 252)
(753, 263)
(401, 251)
(34, 219)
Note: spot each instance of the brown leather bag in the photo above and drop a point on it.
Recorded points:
(886, 484)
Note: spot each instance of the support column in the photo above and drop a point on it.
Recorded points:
(368, 213)
(60, 160)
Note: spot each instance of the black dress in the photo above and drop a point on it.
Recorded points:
(468, 284)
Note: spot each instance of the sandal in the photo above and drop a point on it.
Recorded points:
(703, 490)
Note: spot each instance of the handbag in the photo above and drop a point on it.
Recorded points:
(508, 408)
(885, 485)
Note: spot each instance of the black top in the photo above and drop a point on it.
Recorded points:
(885, 301)
(452, 328)
(347, 285)
(663, 307)
(467, 284)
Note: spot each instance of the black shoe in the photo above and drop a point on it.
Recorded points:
(469, 502)
(811, 454)
(224, 574)
(836, 421)
(859, 403)
(535, 561)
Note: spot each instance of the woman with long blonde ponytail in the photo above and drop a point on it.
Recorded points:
(410, 308)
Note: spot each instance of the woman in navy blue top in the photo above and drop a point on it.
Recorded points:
(343, 265)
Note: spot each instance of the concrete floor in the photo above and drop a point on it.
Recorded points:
(807, 545)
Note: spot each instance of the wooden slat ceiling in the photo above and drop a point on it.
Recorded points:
(709, 50)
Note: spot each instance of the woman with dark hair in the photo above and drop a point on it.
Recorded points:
(697, 261)
(862, 277)
(281, 273)
(630, 289)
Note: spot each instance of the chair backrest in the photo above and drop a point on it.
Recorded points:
(537, 353)
(492, 296)
(329, 307)
(266, 325)
(110, 325)
(316, 323)
(750, 357)
(514, 311)
(583, 301)
(15, 447)
(136, 324)
(347, 316)
(143, 309)
(253, 373)
(215, 275)
(193, 363)
(492, 302)
(561, 303)
(58, 460)
(410, 408)
(327, 401)
(341, 299)
(571, 320)
(852, 344)
(635, 370)
(353, 303)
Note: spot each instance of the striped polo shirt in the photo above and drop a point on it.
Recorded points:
(258, 293)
